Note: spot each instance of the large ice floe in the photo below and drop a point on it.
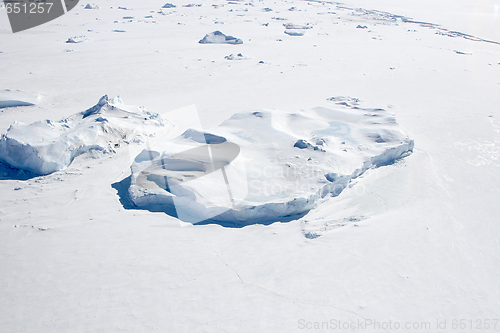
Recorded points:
(44, 147)
(264, 165)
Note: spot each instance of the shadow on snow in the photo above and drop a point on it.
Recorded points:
(127, 203)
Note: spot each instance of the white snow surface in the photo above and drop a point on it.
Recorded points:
(44, 147)
(277, 164)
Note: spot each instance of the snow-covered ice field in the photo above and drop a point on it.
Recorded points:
(411, 244)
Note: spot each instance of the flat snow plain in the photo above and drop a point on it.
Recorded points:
(414, 242)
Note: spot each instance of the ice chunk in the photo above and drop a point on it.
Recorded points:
(77, 39)
(12, 98)
(289, 26)
(45, 146)
(294, 32)
(218, 37)
(265, 165)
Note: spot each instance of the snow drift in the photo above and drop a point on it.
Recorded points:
(44, 147)
(265, 164)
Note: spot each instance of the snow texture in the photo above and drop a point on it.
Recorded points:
(265, 165)
(44, 147)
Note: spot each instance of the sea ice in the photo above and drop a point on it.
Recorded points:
(264, 164)
(218, 37)
(238, 56)
(77, 39)
(294, 32)
(12, 98)
(44, 147)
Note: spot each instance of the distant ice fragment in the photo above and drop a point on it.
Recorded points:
(218, 37)
(77, 39)
(296, 26)
(13, 98)
(264, 165)
(345, 100)
(295, 32)
(238, 56)
(302, 144)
